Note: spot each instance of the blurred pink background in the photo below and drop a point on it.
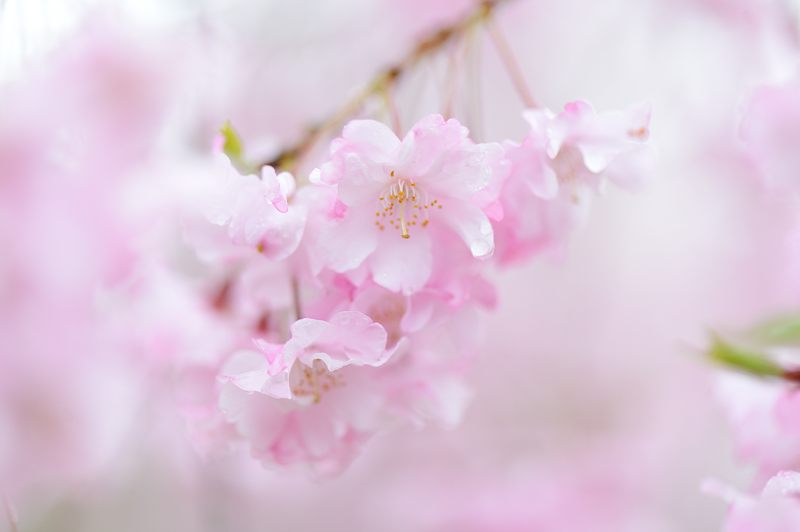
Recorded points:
(592, 406)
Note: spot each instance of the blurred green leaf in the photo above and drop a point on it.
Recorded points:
(752, 362)
(233, 147)
(784, 330)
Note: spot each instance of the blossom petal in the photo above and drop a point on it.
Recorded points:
(344, 244)
(272, 188)
(472, 225)
(403, 265)
(307, 331)
(474, 169)
(361, 182)
(363, 340)
(249, 371)
(428, 143)
(373, 137)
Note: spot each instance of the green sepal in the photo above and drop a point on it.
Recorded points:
(233, 148)
(748, 361)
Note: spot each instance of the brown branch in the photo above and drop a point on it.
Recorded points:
(792, 375)
(386, 78)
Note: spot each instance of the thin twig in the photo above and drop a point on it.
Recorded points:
(453, 61)
(391, 106)
(510, 62)
(474, 109)
(291, 156)
(298, 307)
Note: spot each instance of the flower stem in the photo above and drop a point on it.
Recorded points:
(292, 156)
(298, 308)
(394, 114)
(510, 62)
(749, 361)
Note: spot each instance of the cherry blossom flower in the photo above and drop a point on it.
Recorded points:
(318, 398)
(588, 148)
(560, 165)
(396, 198)
(255, 210)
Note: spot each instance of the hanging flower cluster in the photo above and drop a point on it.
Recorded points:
(292, 315)
(371, 272)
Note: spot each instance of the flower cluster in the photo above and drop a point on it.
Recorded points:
(764, 407)
(368, 276)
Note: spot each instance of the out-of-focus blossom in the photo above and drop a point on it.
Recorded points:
(770, 131)
(565, 160)
(585, 148)
(255, 210)
(69, 139)
(764, 416)
(776, 509)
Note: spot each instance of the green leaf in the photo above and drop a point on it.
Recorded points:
(784, 330)
(745, 360)
(232, 145)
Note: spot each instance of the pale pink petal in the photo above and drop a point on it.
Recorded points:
(307, 331)
(472, 225)
(246, 369)
(403, 264)
(363, 340)
(272, 189)
(344, 244)
(250, 371)
(362, 182)
(428, 144)
(784, 484)
(469, 172)
(419, 310)
(373, 138)
(277, 235)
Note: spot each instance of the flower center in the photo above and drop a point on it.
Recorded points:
(313, 382)
(403, 206)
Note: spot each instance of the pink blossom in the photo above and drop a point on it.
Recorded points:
(765, 419)
(538, 215)
(256, 211)
(397, 198)
(770, 131)
(349, 338)
(588, 148)
(560, 165)
(318, 398)
(296, 402)
(777, 509)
